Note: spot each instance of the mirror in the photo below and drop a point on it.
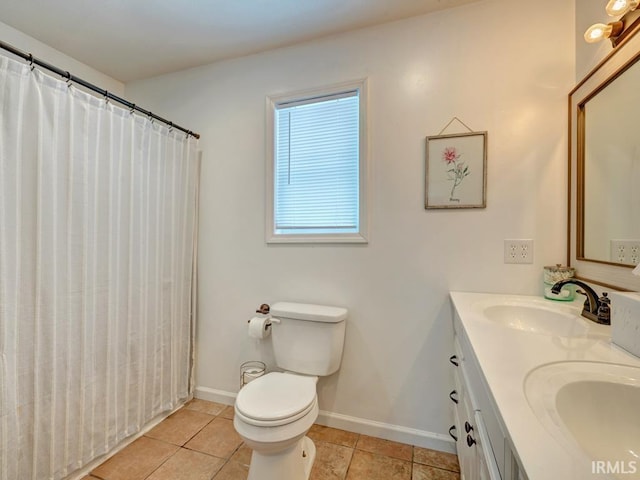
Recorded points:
(604, 170)
(608, 122)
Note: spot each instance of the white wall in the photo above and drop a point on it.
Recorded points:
(486, 63)
(50, 55)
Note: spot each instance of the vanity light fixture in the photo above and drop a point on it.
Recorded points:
(599, 31)
(620, 7)
(628, 12)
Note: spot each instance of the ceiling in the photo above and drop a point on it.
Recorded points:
(134, 39)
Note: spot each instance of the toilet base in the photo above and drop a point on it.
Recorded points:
(294, 463)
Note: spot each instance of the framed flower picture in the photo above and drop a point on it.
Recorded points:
(456, 171)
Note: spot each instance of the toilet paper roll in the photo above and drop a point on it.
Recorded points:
(251, 374)
(259, 327)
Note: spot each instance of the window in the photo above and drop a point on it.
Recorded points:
(317, 165)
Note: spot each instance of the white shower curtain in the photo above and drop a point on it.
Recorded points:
(97, 231)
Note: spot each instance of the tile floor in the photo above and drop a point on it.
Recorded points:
(199, 443)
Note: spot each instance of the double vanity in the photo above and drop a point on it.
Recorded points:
(540, 392)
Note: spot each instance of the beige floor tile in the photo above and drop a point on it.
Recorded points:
(368, 466)
(333, 435)
(188, 465)
(233, 471)
(425, 472)
(204, 406)
(211, 441)
(434, 458)
(228, 412)
(332, 461)
(180, 427)
(136, 461)
(218, 438)
(385, 447)
(242, 455)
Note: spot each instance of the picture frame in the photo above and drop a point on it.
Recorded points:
(456, 171)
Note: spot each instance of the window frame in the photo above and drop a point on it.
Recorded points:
(272, 102)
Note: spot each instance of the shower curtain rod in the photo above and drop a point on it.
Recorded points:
(107, 95)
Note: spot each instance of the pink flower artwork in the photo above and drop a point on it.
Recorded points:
(458, 171)
(450, 155)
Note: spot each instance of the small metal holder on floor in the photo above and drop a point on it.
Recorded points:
(251, 370)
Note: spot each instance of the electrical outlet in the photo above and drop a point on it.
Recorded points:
(625, 251)
(518, 251)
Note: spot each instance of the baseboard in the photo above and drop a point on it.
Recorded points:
(396, 433)
(212, 395)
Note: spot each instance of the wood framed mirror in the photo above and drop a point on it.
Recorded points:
(604, 170)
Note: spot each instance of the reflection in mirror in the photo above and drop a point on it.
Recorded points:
(611, 171)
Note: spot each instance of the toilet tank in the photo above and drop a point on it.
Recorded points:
(308, 338)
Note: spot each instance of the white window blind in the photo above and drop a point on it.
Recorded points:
(317, 165)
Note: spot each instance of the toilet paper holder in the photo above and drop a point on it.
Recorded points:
(268, 324)
(263, 309)
(260, 326)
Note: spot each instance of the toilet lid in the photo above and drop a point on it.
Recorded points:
(276, 396)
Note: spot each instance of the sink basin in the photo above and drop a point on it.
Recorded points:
(537, 317)
(592, 409)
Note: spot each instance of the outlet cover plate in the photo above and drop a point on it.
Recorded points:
(518, 251)
(625, 251)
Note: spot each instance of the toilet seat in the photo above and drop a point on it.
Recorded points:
(276, 399)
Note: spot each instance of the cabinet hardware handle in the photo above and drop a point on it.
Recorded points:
(470, 441)
(454, 396)
(454, 359)
(453, 427)
(467, 427)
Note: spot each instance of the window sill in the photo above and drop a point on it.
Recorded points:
(318, 239)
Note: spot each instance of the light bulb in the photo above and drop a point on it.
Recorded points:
(598, 31)
(620, 7)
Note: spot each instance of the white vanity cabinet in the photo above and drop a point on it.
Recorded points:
(483, 450)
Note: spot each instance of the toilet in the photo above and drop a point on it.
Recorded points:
(274, 412)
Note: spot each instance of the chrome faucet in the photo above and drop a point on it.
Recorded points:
(594, 308)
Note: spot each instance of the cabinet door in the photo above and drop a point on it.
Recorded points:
(487, 466)
(483, 470)
(468, 453)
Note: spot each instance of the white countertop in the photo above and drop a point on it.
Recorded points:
(507, 355)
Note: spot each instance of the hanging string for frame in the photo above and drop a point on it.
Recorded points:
(454, 119)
